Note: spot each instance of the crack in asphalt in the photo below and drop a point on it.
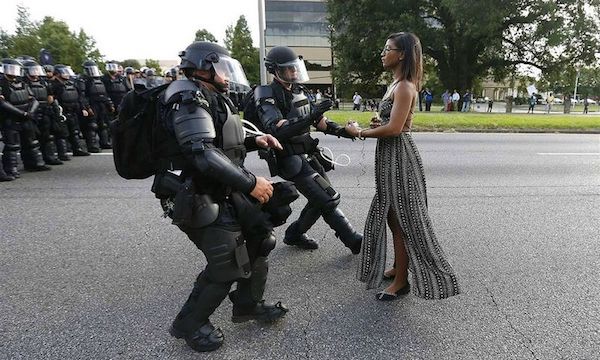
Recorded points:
(512, 326)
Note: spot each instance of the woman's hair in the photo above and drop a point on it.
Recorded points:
(412, 67)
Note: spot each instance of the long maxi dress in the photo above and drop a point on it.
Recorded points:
(400, 186)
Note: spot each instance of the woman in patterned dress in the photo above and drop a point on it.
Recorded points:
(400, 198)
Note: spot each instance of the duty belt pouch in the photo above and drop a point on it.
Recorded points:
(326, 164)
(166, 185)
(184, 204)
(205, 211)
(269, 156)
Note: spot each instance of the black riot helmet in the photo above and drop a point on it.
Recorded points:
(11, 68)
(285, 65)
(112, 67)
(33, 69)
(208, 56)
(63, 71)
(129, 70)
(91, 69)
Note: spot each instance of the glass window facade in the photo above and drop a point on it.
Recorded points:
(296, 23)
(302, 25)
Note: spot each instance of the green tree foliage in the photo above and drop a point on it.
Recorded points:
(205, 35)
(467, 40)
(154, 64)
(131, 62)
(238, 41)
(66, 47)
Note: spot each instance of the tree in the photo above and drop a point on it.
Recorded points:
(66, 47)
(467, 40)
(205, 35)
(154, 64)
(131, 62)
(238, 41)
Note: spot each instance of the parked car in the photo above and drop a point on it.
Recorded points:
(558, 100)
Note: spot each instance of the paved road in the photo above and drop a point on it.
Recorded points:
(89, 269)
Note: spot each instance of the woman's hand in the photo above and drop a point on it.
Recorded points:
(352, 128)
(375, 122)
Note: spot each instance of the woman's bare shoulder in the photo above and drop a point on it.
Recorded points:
(405, 88)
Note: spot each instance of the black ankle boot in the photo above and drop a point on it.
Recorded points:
(300, 240)
(205, 338)
(261, 311)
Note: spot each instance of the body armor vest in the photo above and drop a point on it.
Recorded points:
(69, 99)
(19, 96)
(233, 138)
(116, 89)
(95, 89)
(40, 92)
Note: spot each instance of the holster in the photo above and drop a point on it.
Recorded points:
(326, 164)
(192, 209)
(301, 144)
(269, 156)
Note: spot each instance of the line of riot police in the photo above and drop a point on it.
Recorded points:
(45, 112)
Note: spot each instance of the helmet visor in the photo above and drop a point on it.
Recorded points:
(93, 71)
(231, 70)
(112, 67)
(66, 72)
(36, 70)
(292, 72)
(12, 69)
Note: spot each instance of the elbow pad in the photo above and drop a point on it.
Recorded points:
(213, 162)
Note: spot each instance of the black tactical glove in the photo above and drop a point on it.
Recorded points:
(319, 109)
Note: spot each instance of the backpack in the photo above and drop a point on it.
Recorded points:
(134, 133)
(250, 112)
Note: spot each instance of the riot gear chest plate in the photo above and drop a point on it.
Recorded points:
(233, 137)
(70, 95)
(19, 95)
(116, 86)
(95, 89)
(40, 92)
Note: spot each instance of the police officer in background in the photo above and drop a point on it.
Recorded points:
(115, 83)
(70, 97)
(285, 111)
(48, 117)
(209, 147)
(99, 106)
(18, 107)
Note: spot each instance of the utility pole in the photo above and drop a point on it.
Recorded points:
(261, 41)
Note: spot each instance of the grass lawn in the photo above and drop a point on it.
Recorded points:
(473, 121)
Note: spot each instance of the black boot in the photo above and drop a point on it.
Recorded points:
(192, 324)
(92, 142)
(247, 299)
(33, 159)
(61, 149)
(205, 338)
(104, 139)
(48, 149)
(295, 234)
(343, 229)
(10, 161)
(4, 176)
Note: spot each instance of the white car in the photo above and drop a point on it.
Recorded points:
(591, 102)
(558, 100)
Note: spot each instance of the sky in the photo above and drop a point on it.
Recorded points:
(133, 29)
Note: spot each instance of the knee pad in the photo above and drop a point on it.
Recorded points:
(225, 253)
(318, 191)
(267, 245)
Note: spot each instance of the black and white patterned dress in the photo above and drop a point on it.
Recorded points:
(400, 185)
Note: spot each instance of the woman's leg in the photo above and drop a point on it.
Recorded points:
(400, 255)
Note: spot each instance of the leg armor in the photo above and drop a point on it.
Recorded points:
(31, 154)
(12, 145)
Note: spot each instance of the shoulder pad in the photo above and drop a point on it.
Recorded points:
(179, 86)
(262, 92)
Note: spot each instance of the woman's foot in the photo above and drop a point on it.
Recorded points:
(393, 291)
(389, 274)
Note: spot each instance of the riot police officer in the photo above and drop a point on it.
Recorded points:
(99, 106)
(209, 147)
(115, 84)
(285, 111)
(18, 106)
(48, 116)
(69, 96)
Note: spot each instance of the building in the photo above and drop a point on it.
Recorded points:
(303, 26)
